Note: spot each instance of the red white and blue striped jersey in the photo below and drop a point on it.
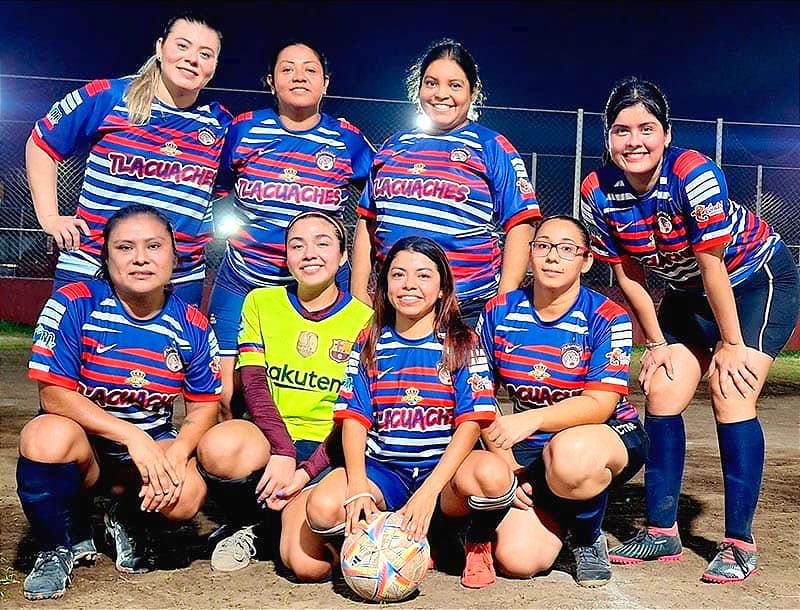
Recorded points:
(170, 163)
(687, 211)
(85, 341)
(410, 403)
(276, 174)
(460, 188)
(542, 363)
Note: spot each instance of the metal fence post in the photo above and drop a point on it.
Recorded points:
(759, 188)
(576, 186)
(718, 153)
(533, 170)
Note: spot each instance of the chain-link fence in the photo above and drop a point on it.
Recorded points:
(761, 161)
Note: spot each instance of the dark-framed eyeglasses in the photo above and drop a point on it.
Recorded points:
(565, 250)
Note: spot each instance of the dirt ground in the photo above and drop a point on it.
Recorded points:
(185, 579)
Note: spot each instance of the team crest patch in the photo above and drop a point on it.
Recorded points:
(171, 149)
(340, 350)
(539, 371)
(444, 375)
(137, 379)
(412, 397)
(418, 168)
(459, 155)
(290, 174)
(478, 383)
(347, 384)
(525, 187)
(215, 365)
(617, 357)
(55, 114)
(325, 160)
(44, 338)
(172, 358)
(571, 355)
(205, 136)
(307, 343)
(664, 223)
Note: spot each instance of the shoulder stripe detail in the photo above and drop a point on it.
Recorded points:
(196, 317)
(590, 183)
(686, 162)
(348, 125)
(97, 86)
(78, 290)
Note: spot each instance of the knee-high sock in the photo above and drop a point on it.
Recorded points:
(487, 513)
(49, 494)
(741, 451)
(664, 469)
(588, 520)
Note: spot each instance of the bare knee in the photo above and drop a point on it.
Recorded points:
(492, 474)
(324, 509)
(233, 449)
(54, 439)
(572, 466)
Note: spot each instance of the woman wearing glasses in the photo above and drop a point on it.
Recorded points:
(562, 352)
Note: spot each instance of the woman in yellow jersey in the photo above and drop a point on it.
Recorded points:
(294, 343)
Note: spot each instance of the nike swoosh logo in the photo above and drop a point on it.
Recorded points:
(382, 373)
(625, 226)
(510, 348)
(102, 349)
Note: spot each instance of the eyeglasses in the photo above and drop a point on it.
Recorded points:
(565, 251)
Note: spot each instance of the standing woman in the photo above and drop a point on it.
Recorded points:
(416, 396)
(280, 162)
(149, 141)
(111, 357)
(455, 181)
(294, 345)
(730, 305)
(562, 352)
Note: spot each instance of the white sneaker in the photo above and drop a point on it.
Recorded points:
(234, 552)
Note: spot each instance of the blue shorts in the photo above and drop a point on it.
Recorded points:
(767, 304)
(303, 451)
(632, 434)
(397, 484)
(190, 292)
(227, 300)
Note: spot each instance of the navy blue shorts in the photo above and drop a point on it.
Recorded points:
(630, 431)
(397, 484)
(303, 451)
(767, 304)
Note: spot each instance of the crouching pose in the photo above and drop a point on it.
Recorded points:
(562, 352)
(111, 356)
(416, 395)
(293, 347)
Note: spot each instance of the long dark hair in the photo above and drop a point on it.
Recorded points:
(456, 336)
(135, 209)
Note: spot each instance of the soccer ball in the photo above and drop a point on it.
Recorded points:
(380, 563)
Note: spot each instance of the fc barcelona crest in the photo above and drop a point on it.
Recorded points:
(340, 350)
(307, 343)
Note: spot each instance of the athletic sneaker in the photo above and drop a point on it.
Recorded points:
(735, 561)
(84, 552)
(234, 552)
(479, 566)
(50, 576)
(592, 567)
(128, 539)
(647, 545)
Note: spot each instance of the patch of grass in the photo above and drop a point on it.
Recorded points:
(7, 576)
(13, 335)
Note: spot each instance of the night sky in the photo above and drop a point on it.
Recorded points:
(737, 60)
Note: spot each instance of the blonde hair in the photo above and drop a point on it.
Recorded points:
(140, 93)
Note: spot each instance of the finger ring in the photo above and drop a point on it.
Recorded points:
(156, 493)
(166, 491)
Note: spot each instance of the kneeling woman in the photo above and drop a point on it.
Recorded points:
(293, 346)
(111, 356)
(416, 395)
(562, 352)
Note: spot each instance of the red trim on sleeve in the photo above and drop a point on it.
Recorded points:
(622, 390)
(610, 310)
(78, 290)
(348, 125)
(39, 141)
(201, 397)
(97, 86)
(196, 317)
(505, 144)
(722, 240)
(52, 379)
(484, 418)
(686, 162)
(591, 182)
(523, 217)
(341, 415)
(365, 213)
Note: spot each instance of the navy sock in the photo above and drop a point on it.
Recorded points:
(741, 451)
(49, 494)
(235, 497)
(664, 469)
(588, 521)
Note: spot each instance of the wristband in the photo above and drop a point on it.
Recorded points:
(355, 497)
(651, 345)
